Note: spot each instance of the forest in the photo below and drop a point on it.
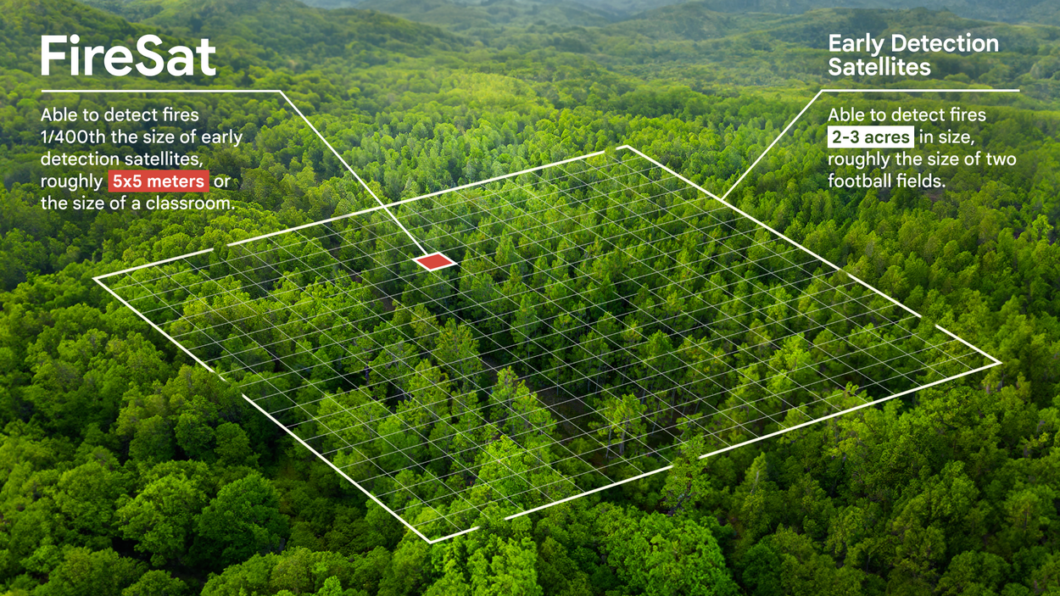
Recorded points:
(129, 469)
(604, 319)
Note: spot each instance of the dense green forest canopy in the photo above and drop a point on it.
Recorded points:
(128, 469)
(606, 318)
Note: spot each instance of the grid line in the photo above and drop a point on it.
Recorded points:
(603, 310)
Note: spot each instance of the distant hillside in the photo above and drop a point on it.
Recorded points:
(459, 16)
(1012, 11)
(284, 29)
(464, 14)
(698, 21)
(24, 21)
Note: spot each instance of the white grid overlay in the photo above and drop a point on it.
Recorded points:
(603, 310)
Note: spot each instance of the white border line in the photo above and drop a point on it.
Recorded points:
(752, 218)
(356, 213)
(920, 91)
(413, 199)
(333, 466)
(940, 328)
(994, 361)
(849, 410)
(762, 438)
(387, 206)
(496, 178)
(156, 327)
(163, 261)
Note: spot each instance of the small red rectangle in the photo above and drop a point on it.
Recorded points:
(158, 180)
(435, 261)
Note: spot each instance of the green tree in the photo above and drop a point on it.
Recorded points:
(663, 556)
(233, 446)
(88, 494)
(505, 567)
(623, 420)
(161, 517)
(456, 350)
(156, 583)
(242, 520)
(83, 572)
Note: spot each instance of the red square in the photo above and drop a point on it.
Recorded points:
(435, 261)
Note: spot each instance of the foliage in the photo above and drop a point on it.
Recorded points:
(127, 470)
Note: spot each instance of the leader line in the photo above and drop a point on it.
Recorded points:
(293, 106)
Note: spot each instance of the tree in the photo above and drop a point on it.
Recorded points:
(504, 391)
(454, 579)
(194, 436)
(428, 401)
(161, 518)
(623, 418)
(762, 572)
(688, 482)
(504, 567)
(83, 572)
(153, 441)
(88, 494)
(531, 423)
(805, 572)
(233, 446)
(456, 349)
(408, 569)
(758, 502)
(663, 556)
(242, 520)
(525, 327)
(971, 572)
(156, 583)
